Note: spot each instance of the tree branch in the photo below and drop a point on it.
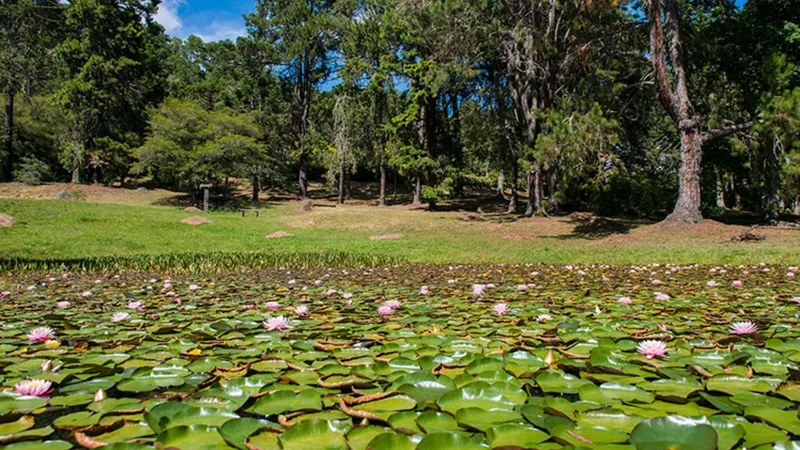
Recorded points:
(727, 130)
(665, 94)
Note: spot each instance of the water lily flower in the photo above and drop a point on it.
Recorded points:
(656, 282)
(491, 286)
(597, 310)
(477, 289)
(451, 281)
(544, 318)
(331, 292)
(279, 323)
(317, 282)
(662, 327)
(385, 311)
(40, 334)
(347, 296)
(135, 305)
(87, 294)
(746, 327)
(100, 395)
(652, 349)
(301, 310)
(47, 366)
(736, 284)
(501, 308)
(711, 283)
(790, 275)
(120, 317)
(531, 286)
(171, 294)
(32, 287)
(36, 388)
(624, 300)
(63, 304)
(272, 305)
(423, 290)
(662, 297)
(292, 282)
(248, 307)
(394, 304)
(5, 294)
(796, 299)
(522, 287)
(193, 287)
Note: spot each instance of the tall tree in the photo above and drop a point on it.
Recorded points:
(302, 33)
(672, 86)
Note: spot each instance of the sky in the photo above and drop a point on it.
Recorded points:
(211, 20)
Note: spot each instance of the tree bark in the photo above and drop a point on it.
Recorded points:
(720, 189)
(417, 192)
(501, 184)
(254, 196)
(303, 177)
(76, 174)
(552, 179)
(8, 163)
(772, 204)
(382, 192)
(688, 208)
(512, 203)
(534, 205)
(340, 199)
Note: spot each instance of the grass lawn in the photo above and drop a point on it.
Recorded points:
(70, 229)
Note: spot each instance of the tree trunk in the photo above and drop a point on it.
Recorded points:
(512, 202)
(76, 174)
(8, 163)
(720, 189)
(529, 206)
(552, 178)
(340, 199)
(418, 192)
(254, 196)
(302, 180)
(688, 208)
(772, 203)
(797, 205)
(394, 186)
(501, 184)
(534, 205)
(96, 175)
(382, 192)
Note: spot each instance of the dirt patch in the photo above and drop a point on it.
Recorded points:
(386, 237)
(519, 236)
(579, 216)
(193, 209)
(6, 221)
(601, 226)
(472, 217)
(279, 235)
(196, 220)
(749, 236)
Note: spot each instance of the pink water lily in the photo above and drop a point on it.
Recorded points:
(544, 318)
(279, 323)
(40, 334)
(491, 286)
(63, 304)
(711, 283)
(120, 316)
(652, 349)
(292, 282)
(5, 294)
(662, 297)
(501, 309)
(522, 287)
(193, 287)
(385, 311)
(656, 282)
(796, 299)
(331, 292)
(36, 388)
(531, 285)
(272, 305)
(248, 307)
(450, 281)
(736, 284)
(394, 304)
(87, 294)
(135, 305)
(347, 296)
(624, 300)
(477, 289)
(317, 282)
(423, 290)
(301, 310)
(745, 327)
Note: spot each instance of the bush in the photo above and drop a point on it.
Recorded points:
(433, 195)
(32, 171)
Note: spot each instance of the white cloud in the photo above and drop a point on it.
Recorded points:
(167, 16)
(221, 30)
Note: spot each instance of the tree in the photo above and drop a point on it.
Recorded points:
(113, 55)
(302, 33)
(673, 93)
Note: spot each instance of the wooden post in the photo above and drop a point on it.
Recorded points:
(205, 196)
(242, 211)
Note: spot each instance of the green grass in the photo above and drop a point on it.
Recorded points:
(68, 229)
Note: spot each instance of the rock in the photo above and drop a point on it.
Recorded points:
(61, 195)
(279, 235)
(306, 205)
(193, 209)
(6, 221)
(196, 220)
(749, 236)
(141, 190)
(385, 237)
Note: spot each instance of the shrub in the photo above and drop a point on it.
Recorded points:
(32, 171)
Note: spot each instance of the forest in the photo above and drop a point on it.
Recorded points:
(667, 109)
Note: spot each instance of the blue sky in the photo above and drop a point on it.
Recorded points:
(212, 20)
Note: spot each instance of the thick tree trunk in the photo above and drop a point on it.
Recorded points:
(529, 206)
(340, 199)
(8, 163)
(96, 175)
(534, 205)
(254, 196)
(382, 192)
(797, 205)
(552, 178)
(688, 208)
(512, 203)
(302, 180)
(417, 192)
(76, 174)
(501, 184)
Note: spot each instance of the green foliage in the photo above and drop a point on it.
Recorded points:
(32, 171)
